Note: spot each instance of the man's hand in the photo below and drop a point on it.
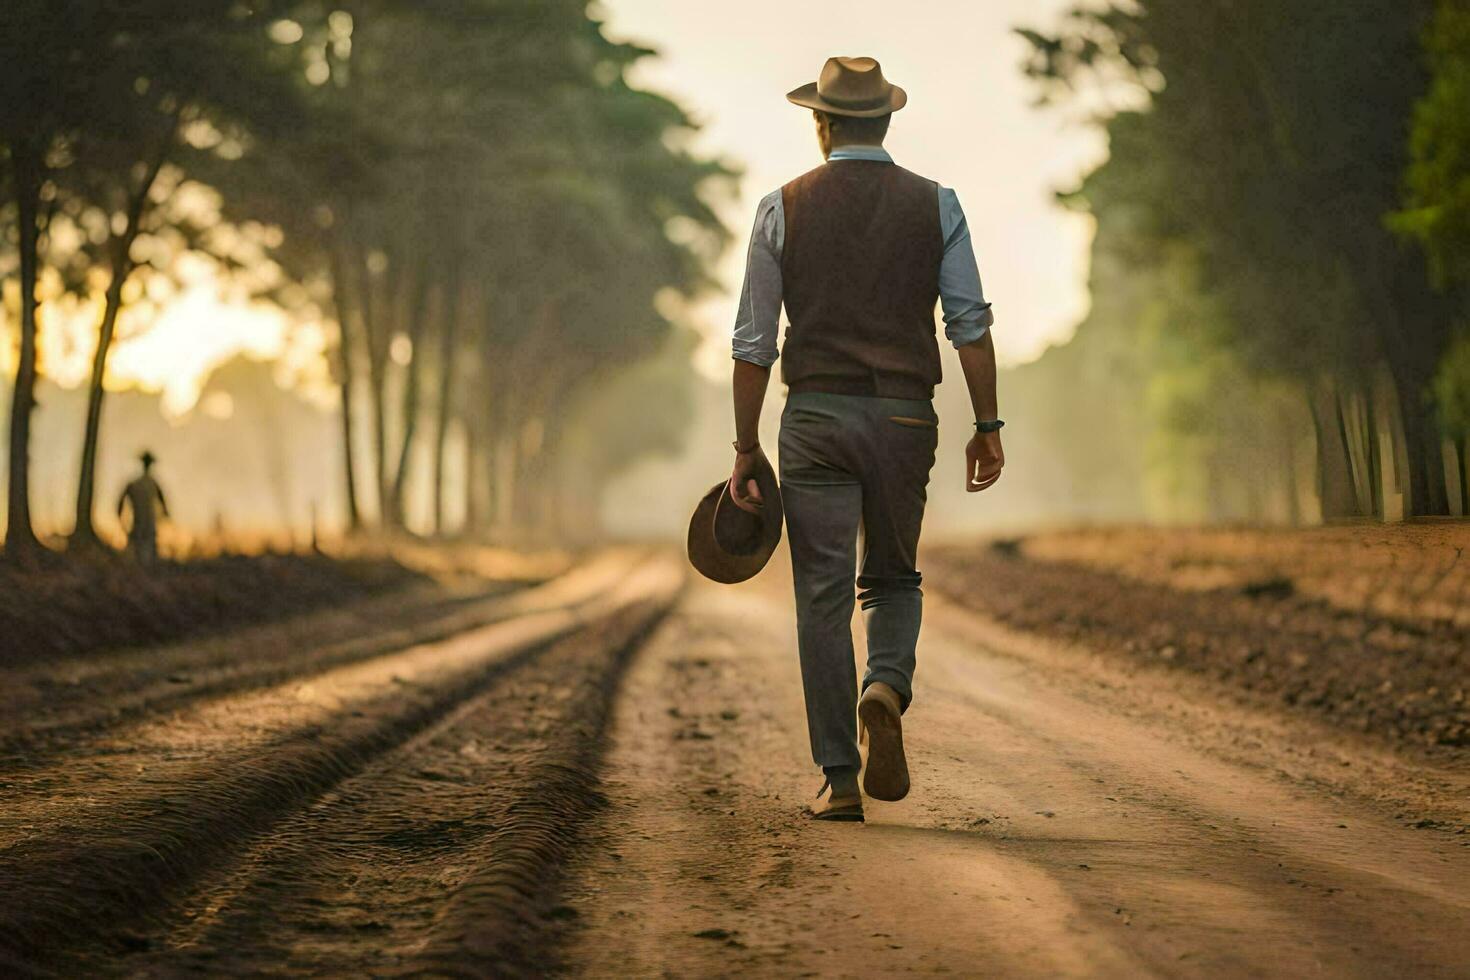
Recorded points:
(984, 459)
(743, 489)
(750, 382)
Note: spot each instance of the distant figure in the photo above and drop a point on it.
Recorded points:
(146, 499)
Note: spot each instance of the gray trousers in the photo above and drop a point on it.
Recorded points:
(853, 464)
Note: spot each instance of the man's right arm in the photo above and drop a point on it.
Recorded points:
(757, 323)
(754, 345)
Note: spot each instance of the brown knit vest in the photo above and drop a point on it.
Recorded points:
(860, 277)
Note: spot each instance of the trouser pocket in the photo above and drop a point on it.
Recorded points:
(914, 423)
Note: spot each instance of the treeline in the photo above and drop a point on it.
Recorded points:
(1279, 273)
(468, 193)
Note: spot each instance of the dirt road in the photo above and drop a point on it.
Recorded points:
(604, 776)
(1066, 821)
(330, 806)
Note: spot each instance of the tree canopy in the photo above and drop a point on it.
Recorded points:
(1257, 149)
(469, 192)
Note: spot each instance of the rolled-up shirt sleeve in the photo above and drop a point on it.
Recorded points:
(758, 322)
(967, 316)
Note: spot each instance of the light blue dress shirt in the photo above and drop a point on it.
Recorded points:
(967, 316)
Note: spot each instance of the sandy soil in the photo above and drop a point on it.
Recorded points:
(605, 776)
(1068, 819)
(1265, 616)
(393, 811)
(49, 706)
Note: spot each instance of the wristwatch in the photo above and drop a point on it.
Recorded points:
(990, 425)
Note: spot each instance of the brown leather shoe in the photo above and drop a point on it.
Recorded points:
(880, 712)
(843, 808)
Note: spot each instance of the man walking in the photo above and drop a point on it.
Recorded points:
(145, 497)
(859, 250)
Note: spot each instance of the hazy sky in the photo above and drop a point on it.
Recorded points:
(970, 124)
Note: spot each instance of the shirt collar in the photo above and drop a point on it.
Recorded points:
(860, 153)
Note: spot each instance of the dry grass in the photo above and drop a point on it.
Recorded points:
(1412, 572)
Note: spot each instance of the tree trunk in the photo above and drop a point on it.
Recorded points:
(492, 416)
(84, 534)
(523, 488)
(502, 463)
(1334, 469)
(1289, 469)
(418, 313)
(1257, 492)
(475, 486)
(1351, 431)
(1412, 351)
(1375, 461)
(20, 537)
(1428, 495)
(377, 346)
(340, 298)
(1465, 477)
(449, 342)
(1216, 504)
(553, 517)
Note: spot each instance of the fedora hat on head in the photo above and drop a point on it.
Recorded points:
(851, 87)
(729, 545)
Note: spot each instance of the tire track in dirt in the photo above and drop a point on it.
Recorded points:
(47, 709)
(443, 857)
(93, 848)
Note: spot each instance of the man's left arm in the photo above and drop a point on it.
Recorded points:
(984, 457)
